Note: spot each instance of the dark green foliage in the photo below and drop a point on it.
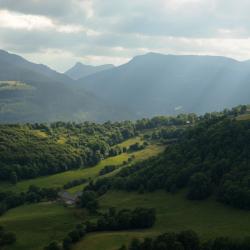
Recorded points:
(187, 240)
(74, 183)
(215, 154)
(6, 238)
(34, 194)
(199, 187)
(53, 246)
(31, 150)
(13, 177)
(136, 147)
(67, 242)
(212, 157)
(74, 236)
(107, 169)
(88, 200)
(126, 219)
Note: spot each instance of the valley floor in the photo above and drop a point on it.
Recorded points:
(174, 213)
(36, 225)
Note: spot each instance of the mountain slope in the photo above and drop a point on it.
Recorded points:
(21, 63)
(80, 70)
(165, 84)
(31, 92)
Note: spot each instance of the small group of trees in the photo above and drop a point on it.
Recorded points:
(136, 147)
(115, 151)
(34, 194)
(73, 236)
(186, 240)
(88, 200)
(126, 219)
(107, 169)
(74, 183)
(112, 220)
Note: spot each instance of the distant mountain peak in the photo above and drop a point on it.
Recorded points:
(80, 70)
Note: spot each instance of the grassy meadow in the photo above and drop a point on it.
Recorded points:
(174, 213)
(58, 180)
(36, 225)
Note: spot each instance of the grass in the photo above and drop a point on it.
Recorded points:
(58, 180)
(174, 213)
(61, 140)
(38, 224)
(39, 133)
(148, 152)
(131, 141)
(14, 85)
(244, 117)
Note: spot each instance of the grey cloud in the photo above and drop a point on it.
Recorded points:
(125, 28)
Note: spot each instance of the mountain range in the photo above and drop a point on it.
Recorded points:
(80, 70)
(155, 84)
(32, 92)
(148, 85)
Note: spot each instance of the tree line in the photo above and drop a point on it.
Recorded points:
(112, 220)
(34, 194)
(186, 240)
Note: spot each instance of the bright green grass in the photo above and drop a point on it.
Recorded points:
(58, 180)
(130, 142)
(38, 224)
(146, 153)
(174, 213)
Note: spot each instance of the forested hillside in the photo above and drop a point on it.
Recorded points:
(32, 92)
(211, 158)
(206, 159)
(32, 150)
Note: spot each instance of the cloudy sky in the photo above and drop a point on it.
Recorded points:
(61, 32)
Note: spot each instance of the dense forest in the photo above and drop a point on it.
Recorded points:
(211, 158)
(31, 150)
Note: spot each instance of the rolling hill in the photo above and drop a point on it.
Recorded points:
(167, 84)
(42, 94)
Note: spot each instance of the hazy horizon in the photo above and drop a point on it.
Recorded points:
(117, 65)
